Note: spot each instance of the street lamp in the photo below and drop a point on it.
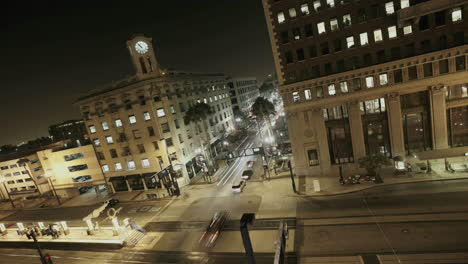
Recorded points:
(6, 190)
(238, 119)
(48, 175)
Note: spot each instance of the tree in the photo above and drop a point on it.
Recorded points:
(199, 113)
(373, 162)
(263, 109)
(7, 149)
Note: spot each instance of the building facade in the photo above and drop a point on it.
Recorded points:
(137, 125)
(74, 130)
(243, 92)
(364, 77)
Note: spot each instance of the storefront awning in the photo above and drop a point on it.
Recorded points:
(117, 178)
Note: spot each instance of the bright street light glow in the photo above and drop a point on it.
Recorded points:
(238, 119)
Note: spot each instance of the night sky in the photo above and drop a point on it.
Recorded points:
(52, 51)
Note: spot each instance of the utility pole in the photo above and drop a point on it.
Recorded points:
(31, 233)
(292, 176)
(246, 220)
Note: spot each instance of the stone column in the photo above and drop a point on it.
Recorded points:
(128, 185)
(395, 125)
(357, 134)
(321, 137)
(144, 183)
(439, 117)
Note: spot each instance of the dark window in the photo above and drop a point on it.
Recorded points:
(113, 153)
(315, 71)
(353, 62)
(308, 29)
(381, 56)
(100, 155)
(395, 53)
(398, 76)
(155, 145)
(289, 57)
(284, 37)
(169, 142)
(367, 59)
(300, 54)
(410, 50)
(440, 18)
(151, 131)
(460, 63)
(356, 84)
(78, 167)
(424, 23)
(426, 45)
(443, 42)
(458, 125)
(312, 51)
(340, 66)
(337, 44)
(73, 156)
(459, 38)
(328, 68)
(141, 148)
(313, 157)
(412, 73)
(176, 123)
(427, 69)
(128, 104)
(443, 66)
(296, 33)
(375, 11)
(122, 137)
(142, 100)
(165, 128)
(126, 151)
(113, 108)
(361, 15)
(324, 48)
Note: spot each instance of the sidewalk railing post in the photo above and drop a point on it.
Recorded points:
(246, 220)
(292, 176)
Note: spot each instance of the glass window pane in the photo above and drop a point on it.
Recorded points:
(347, 20)
(292, 12)
(383, 78)
(378, 35)
(457, 14)
(334, 24)
(344, 87)
(389, 8)
(350, 42)
(281, 17)
(363, 39)
(307, 94)
(305, 9)
(321, 27)
(392, 32)
(370, 82)
(331, 89)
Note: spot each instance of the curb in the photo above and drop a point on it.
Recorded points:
(382, 185)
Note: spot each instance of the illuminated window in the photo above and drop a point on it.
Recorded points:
(383, 79)
(292, 12)
(145, 163)
(160, 112)
(118, 166)
(97, 142)
(404, 4)
(321, 27)
(407, 29)
(296, 97)
(363, 39)
(307, 94)
(457, 14)
(344, 87)
(92, 129)
(317, 5)
(173, 111)
(105, 168)
(146, 116)
(347, 20)
(319, 92)
(389, 8)
(392, 32)
(369, 82)
(281, 17)
(118, 123)
(131, 165)
(331, 89)
(378, 35)
(105, 126)
(109, 139)
(132, 119)
(350, 42)
(305, 9)
(334, 24)
(331, 3)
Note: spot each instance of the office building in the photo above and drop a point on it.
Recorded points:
(243, 92)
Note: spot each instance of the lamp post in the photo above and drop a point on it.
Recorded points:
(7, 192)
(48, 175)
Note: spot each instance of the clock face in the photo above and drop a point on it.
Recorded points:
(141, 47)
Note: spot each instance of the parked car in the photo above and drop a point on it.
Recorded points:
(250, 163)
(213, 229)
(247, 174)
(84, 189)
(111, 202)
(238, 188)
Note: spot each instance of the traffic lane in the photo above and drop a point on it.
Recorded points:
(383, 201)
(351, 239)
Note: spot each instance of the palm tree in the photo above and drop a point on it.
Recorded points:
(263, 109)
(199, 113)
(22, 163)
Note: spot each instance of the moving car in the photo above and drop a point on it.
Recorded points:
(250, 163)
(247, 174)
(237, 188)
(213, 229)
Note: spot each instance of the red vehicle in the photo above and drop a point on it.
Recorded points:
(214, 228)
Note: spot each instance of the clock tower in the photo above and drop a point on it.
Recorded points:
(143, 58)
